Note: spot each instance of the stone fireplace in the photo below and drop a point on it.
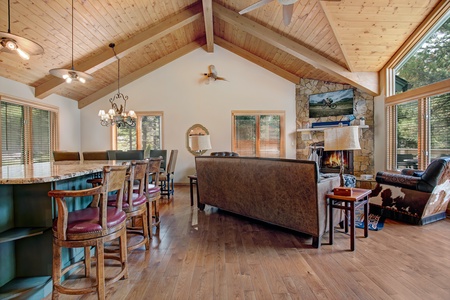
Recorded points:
(356, 162)
(330, 161)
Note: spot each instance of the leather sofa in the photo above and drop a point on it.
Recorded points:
(283, 192)
(414, 196)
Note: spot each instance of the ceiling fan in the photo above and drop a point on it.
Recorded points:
(11, 43)
(288, 8)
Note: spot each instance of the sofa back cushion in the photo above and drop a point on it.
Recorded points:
(278, 191)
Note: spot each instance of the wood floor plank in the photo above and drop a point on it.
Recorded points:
(214, 255)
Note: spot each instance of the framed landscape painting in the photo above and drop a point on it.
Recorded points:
(335, 103)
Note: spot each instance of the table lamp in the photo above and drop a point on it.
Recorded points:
(199, 143)
(341, 138)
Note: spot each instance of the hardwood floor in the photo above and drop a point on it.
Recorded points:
(217, 255)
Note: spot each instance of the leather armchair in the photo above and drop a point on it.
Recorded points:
(224, 153)
(414, 196)
(418, 180)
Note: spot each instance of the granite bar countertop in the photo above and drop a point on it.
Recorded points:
(51, 171)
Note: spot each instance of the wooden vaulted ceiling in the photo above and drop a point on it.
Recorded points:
(344, 41)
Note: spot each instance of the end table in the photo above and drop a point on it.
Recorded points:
(192, 182)
(349, 203)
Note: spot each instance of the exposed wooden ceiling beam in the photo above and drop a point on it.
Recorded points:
(366, 81)
(209, 29)
(257, 60)
(141, 72)
(146, 37)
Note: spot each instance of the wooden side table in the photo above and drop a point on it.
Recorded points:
(349, 203)
(192, 182)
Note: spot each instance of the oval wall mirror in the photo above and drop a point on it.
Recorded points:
(197, 139)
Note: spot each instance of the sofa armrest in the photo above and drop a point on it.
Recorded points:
(405, 181)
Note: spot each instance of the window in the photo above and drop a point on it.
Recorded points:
(146, 135)
(28, 132)
(429, 62)
(418, 96)
(259, 134)
(407, 134)
(422, 131)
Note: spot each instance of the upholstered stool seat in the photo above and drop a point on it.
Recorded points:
(87, 222)
(136, 201)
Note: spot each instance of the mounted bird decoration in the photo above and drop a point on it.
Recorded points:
(212, 75)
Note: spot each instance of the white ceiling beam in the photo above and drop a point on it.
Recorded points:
(366, 81)
(146, 37)
(209, 26)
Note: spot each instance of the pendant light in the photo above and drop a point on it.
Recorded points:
(70, 75)
(11, 43)
(118, 115)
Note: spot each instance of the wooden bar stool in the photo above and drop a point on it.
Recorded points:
(153, 191)
(90, 227)
(135, 204)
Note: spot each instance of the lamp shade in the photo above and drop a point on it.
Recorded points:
(341, 138)
(199, 142)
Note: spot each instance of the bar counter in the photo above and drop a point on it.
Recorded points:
(26, 217)
(51, 171)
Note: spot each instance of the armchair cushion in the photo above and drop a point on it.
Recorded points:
(224, 153)
(405, 181)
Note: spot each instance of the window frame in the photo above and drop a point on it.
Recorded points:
(28, 106)
(280, 113)
(421, 94)
(139, 115)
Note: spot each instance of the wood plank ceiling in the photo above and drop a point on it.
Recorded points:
(340, 41)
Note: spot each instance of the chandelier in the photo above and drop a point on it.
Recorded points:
(117, 115)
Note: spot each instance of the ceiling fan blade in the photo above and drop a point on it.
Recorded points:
(254, 6)
(287, 13)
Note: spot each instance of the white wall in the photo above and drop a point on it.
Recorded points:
(177, 89)
(69, 114)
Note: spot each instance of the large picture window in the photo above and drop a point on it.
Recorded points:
(427, 63)
(28, 132)
(258, 133)
(422, 131)
(418, 96)
(147, 135)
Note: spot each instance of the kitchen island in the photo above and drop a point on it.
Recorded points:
(26, 217)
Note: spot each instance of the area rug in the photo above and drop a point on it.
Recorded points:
(376, 221)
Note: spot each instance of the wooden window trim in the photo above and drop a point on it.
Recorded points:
(54, 122)
(139, 114)
(280, 113)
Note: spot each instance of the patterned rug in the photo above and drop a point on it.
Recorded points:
(376, 221)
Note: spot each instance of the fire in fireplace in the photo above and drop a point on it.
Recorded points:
(330, 161)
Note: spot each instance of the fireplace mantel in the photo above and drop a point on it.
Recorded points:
(323, 128)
